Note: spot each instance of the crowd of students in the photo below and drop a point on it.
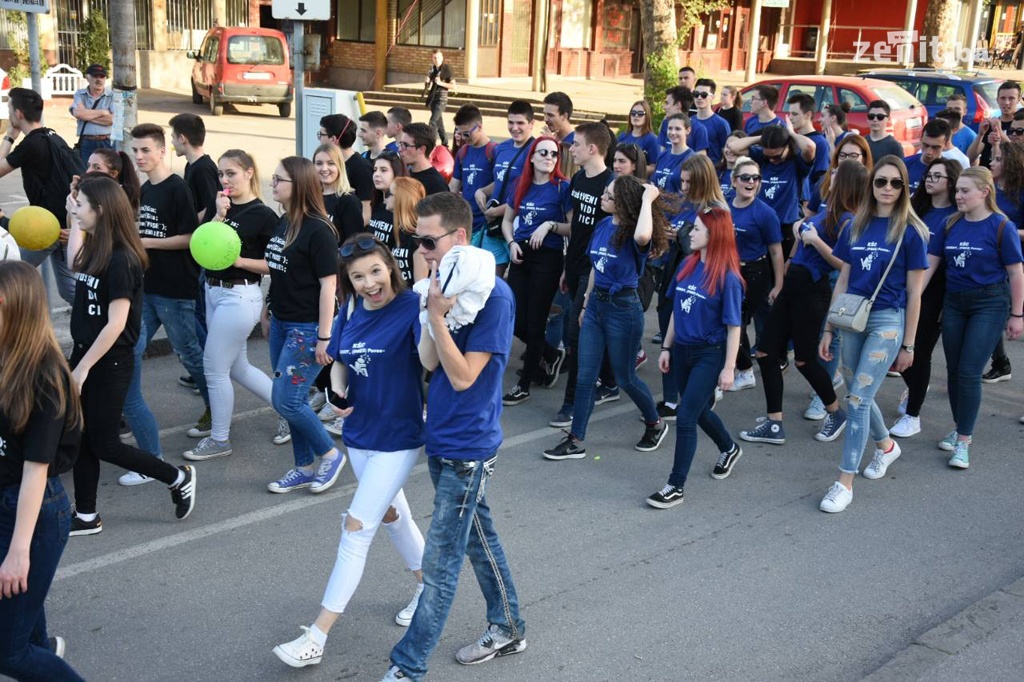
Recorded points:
(562, 239)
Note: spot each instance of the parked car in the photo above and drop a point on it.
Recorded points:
(934, 86)
(908, 114)
(245, 66)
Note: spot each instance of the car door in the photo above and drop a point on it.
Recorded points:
(210, 56)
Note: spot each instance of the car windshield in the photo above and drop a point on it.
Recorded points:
(989, 92)
(895, 96)
(255, 50)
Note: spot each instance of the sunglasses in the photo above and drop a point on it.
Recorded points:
(746, 177)
(547, 153)
(430, 243)
(935, 177)
(701, 95)
(877, 117)
(638, 112)
(895, 183)
(1015, 131)
(843, 156)
(359, 246)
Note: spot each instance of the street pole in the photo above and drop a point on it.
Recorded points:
(33, 52)
(299, 64)
(122, 40)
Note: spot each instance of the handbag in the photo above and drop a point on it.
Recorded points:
(851, 311)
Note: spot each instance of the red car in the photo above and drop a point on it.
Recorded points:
(905, 123)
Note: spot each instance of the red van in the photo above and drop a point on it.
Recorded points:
(243, 65)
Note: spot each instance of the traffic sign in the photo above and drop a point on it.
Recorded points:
(300, 10)
(38, 6)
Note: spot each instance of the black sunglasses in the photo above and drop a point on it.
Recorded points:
(430, 243)
(748, 178)
(701, 94)
(877, 117)
(638, 112)
(359, 246)
(895, 183)
(1015, 131)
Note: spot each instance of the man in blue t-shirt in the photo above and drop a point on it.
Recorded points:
(934, 137)
(716, 127)
(462, 437)
(474, 170)
(962, 135)
(763, 99)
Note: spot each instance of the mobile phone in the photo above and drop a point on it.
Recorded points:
(337, 401)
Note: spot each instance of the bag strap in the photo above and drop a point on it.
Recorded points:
(887, 269)
(504, 179)
(81, 124)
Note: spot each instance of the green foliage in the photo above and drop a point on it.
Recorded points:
(662, 73)
(19, 46)
(94, 42)
(691, 11)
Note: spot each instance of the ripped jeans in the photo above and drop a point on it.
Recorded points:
(461, 526)
(867, 356)
(293, 357)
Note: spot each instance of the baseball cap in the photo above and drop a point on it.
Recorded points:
(96, 70)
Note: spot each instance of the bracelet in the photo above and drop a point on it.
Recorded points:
(1020, 316)
(510, 242)
(667, 350)
(9, 139)
(322, 338)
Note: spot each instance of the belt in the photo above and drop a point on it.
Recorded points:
(94, 137)
(605, 295)
(229, 283)
(750, 262)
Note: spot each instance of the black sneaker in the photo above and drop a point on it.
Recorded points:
(569, 448)
(563, 418)
(998, 372)
(653, 435)
(667, 497)
(783, 365)
(657, 338)
(189, 383)
(80, 527)
(666, 413)
(57, 646)
(554, 369)
(184, 494)
(726, 461)
(515, 396)
(606, 394)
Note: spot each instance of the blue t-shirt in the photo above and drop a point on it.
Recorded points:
(814, 201)
(648, 143)
(668, 174)
(1013, 211)
(385, 389)
(541, 203)
(466, 424)
(615, 268)
(780, 184)
(935, 219)
(753, 125)
(869, 256)
(725, 181)
(915, 170)
(963, 138)
(822, 154)
(717, 129)
(756, 227)
(701, 319)
(505, 177)
(973, 259)
(391, 146)
(697, 139)
(808, 256)
(474, 171)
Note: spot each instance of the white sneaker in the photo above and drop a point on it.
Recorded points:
(836, 499)
(284, 432)
(744, 379)
(132, 478)
(335, 426)
(404, 616)
(816, 410)
(317, 399)
(326, 414)
(301, 651)
(904, 397)
(906, 426)
(881, 461)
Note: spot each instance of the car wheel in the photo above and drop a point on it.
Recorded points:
(285, 109)
(216, 108)
(196, 97)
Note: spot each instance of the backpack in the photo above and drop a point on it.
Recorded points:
(488, 152)
(64, 165)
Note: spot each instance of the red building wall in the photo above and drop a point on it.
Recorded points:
(861, 14)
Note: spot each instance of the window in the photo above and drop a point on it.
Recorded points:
(897, 97)
(187, 23)
(210, 50)
(856, 102)
(432, 23)
(576, 20)
(942, 93)
(357, 20)
(255, 50)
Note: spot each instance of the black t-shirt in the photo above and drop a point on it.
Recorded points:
(47, 439)
(431, 180)
(586, 213)
(255, 223)
(442, 73)
(887, 145)
(32, 156)
(360, 176)
(733, 116)
(346, 212)
(202, 179)
(90, 313)
(167, 210)
(986, 150)
(382, 224)
(295, 270)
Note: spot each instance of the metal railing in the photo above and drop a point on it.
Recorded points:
(11, 33)
(785, 29)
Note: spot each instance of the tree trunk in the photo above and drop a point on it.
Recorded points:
(939, 32)
(125, 84)
(658, 19)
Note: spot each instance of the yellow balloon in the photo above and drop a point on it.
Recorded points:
(34, 228)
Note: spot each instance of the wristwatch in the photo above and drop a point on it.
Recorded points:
(909, 349)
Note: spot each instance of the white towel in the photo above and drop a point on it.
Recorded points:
(466, 272)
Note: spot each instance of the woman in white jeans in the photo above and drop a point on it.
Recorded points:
(377, 387)
(234, 300)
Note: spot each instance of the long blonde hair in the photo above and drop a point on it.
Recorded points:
(982, 179)
(341, 185)
(307, 200)
(705, 189)
(407, 193)
(31, 362)
(902, 216)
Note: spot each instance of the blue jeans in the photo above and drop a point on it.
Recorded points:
(867, 356)
(24, 650)
(972, 324)
(696, 369)
(87, 147)
(61, 271)
(460, 526)
(616, 325)
(293, 357)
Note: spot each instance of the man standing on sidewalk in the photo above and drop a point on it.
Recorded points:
(463, 434)
(93, 107)
(439, 81)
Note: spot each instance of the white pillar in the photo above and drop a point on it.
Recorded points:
(908, 26)
(472, 37)
(974, 28)
(755, 40)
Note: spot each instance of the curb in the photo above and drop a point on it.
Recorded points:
(953, 636)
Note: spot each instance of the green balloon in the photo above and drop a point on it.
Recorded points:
(215, 245)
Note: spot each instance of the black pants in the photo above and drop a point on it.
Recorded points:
(102, 401)
(437, 107)
(534, 282)
(758, 276)
(798, 314)
(577, 285)
(929, 330)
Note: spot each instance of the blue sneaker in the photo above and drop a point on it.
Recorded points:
(834, 424)
(766, 431)
(961, 458)
(327, 474)
(293, 480)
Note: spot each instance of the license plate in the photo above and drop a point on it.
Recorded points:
(913, 123)
(256, 76)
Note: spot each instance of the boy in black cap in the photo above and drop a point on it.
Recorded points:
(93, 106)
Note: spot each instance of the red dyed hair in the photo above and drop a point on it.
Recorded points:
(526, 178)
(721, 256)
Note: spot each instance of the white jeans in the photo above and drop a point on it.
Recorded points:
(381, 476)
(231, 315)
